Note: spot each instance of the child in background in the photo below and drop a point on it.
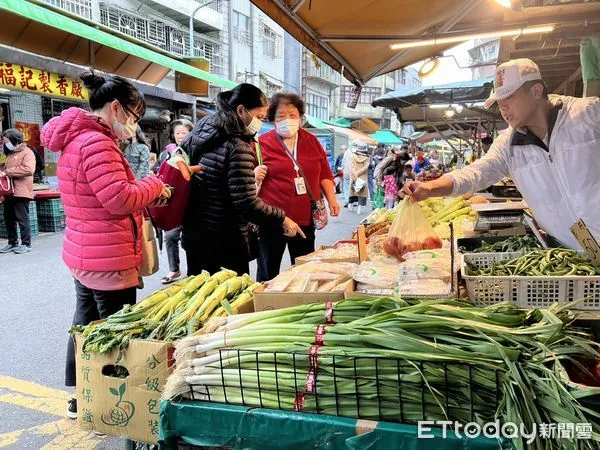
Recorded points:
(390, 185)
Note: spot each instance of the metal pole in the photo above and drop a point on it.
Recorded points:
(198, 8)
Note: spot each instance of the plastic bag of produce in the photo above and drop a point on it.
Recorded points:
(378, 274)
(423, 287)
(425, 269)
(410, 232)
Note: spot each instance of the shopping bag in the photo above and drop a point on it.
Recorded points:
(378, 198)
(7, 189)
(359, 184)
(149, 249)
(171, 216)
(410, 232)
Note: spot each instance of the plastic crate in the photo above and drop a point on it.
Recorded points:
(33, 222)
(52, 224)
(50, 208)
(486, 260)
(527, 292)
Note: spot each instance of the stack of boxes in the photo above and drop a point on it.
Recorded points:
(51, 215)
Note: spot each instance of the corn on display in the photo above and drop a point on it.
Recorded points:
(173, 312)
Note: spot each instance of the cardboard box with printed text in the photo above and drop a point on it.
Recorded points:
(122, 398)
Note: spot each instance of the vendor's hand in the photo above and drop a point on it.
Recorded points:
(417, 190)
(2, 174)
(260, 173)
(291, 229)
(334, 207)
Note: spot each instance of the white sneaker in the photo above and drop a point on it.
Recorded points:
(350, 206)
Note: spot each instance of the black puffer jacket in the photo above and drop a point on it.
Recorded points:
(223, 199)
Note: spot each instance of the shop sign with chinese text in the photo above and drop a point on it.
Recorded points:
(35, 81)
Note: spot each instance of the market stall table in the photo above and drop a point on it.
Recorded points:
(203, 424)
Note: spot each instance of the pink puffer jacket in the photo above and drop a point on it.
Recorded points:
(102, 199)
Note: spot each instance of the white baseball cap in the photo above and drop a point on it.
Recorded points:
(510, 76)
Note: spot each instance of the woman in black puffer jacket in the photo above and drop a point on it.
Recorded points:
(223, 199)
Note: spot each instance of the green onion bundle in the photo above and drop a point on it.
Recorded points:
(382, 360)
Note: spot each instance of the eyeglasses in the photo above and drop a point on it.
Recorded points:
(137, 118)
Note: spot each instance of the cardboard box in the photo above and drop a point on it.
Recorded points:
(124, 407)
(314, 257)
(265, 301)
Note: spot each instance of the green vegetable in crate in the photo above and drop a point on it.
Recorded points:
(502, 361)
(556, 262)
(512, 244)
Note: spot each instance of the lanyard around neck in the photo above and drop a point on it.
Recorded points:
(295, 158)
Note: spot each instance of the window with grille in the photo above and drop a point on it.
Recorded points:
(80, 8)
(417, 83)
(177, 42)
(125, 22)
(271, 41)
(367, 95)
(318, 106)
(241, 27)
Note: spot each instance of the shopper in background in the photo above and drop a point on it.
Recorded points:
(390, 185)
(180, 130)
(347, 169)
(137, 154)
(223, 200)
(103, 201)
(19, 167)
(422, 162)
(38, 175)
(282, 179)
(338, 172)
(359, 191)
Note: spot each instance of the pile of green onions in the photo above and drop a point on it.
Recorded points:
(386, 360)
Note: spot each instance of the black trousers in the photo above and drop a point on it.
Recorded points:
(16, 211)
(272, 246)
(172, 238)
(91, 305)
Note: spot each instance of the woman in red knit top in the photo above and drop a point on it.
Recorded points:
(278, 182)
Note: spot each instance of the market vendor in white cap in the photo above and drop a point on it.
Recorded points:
(551, 151)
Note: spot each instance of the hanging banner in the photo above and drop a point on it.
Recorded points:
(35, 81)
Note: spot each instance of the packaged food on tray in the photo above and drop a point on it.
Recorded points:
(315, 276)
(380, 274)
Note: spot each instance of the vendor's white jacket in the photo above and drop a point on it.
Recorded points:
(561, 184)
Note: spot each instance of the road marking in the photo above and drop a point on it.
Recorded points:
(64, 432)
(68, 436)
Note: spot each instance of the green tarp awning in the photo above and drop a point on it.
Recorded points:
(341, 122)
(39, 30)
(386, 137)
(313, 122)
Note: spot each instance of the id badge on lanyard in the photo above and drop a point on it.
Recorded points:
(299, 181)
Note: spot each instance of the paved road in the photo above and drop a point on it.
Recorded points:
(37, 302)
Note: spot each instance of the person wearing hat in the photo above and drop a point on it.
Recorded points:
(551, 151)
(19, 167)
(359, 191)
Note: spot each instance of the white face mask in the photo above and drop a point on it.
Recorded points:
(10, 146)
(255, 124)
(288, 128)
(124, 131)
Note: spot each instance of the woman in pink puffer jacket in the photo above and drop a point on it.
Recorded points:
(103, 201)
